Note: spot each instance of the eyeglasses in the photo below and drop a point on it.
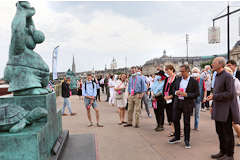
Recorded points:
(182, 71)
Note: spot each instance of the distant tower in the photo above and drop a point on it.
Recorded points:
(93, 70)
(164, 53)
(73, 66)
(114, 64)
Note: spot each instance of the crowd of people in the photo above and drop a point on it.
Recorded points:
(185, 92)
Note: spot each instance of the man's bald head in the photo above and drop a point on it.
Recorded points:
(207, 67)
(218, 63)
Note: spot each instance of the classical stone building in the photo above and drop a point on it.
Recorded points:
(235, 52)
(150, 66)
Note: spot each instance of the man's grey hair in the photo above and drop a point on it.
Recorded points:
(207, 66)
(196, 69)
(222, 61)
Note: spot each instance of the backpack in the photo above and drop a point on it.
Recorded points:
(86, 85)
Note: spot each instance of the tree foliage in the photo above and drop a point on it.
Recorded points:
(203, 64)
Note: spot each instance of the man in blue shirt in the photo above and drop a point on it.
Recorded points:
(89, 91)
(145, 96)
(136, 89)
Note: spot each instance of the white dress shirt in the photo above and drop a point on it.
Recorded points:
(183, 84)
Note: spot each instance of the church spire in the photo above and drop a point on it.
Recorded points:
(73, 66)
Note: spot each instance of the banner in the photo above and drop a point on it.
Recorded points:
(54, 63)
(213, 35)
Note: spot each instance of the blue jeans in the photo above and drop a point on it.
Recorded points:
(197, 114)
(66, 103)
(87, 102)
(145, 100)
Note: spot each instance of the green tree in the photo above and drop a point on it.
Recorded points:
(203, 64)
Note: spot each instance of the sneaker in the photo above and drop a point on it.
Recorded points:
(127, 125)
(64, 114)
(187, 145)
(171, 134)
(99, 125)
(73, 114)
(174, 141)
(196, 129)
(149, 115)
(90, 125)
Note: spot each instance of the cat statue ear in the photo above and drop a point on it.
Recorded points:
(19, 6)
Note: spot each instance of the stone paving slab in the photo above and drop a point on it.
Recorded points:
(80, 147)
(115, 142)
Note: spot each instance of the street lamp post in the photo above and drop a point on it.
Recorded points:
(187, 40)
(228, 27)
(228, 33)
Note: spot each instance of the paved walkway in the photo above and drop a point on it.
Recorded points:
(115, 142)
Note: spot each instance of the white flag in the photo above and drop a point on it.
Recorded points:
(54, 63)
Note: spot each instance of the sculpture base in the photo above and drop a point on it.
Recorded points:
(36, 141)
(59, 146)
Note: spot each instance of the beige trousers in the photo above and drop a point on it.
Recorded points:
(134, 103)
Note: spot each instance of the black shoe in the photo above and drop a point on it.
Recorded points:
(187, 145)
(156, 128)
(174, 141)
(99, 125)
(225, 157)
(216, 156)
(127, 125)
(159, 129)
(136, 126)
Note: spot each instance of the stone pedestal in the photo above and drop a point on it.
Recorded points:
(36, 141)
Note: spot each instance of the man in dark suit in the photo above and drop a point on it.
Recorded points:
(233, 65)
(106, 80)
(223, 110)
(186, 90)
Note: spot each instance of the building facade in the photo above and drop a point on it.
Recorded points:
(235, 52)
(150, 66)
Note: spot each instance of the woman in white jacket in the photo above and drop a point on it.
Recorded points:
(237, 90)
(111, 85)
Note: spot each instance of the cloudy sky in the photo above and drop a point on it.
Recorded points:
(95, 32)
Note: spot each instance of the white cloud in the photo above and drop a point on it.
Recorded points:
(104, 35)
